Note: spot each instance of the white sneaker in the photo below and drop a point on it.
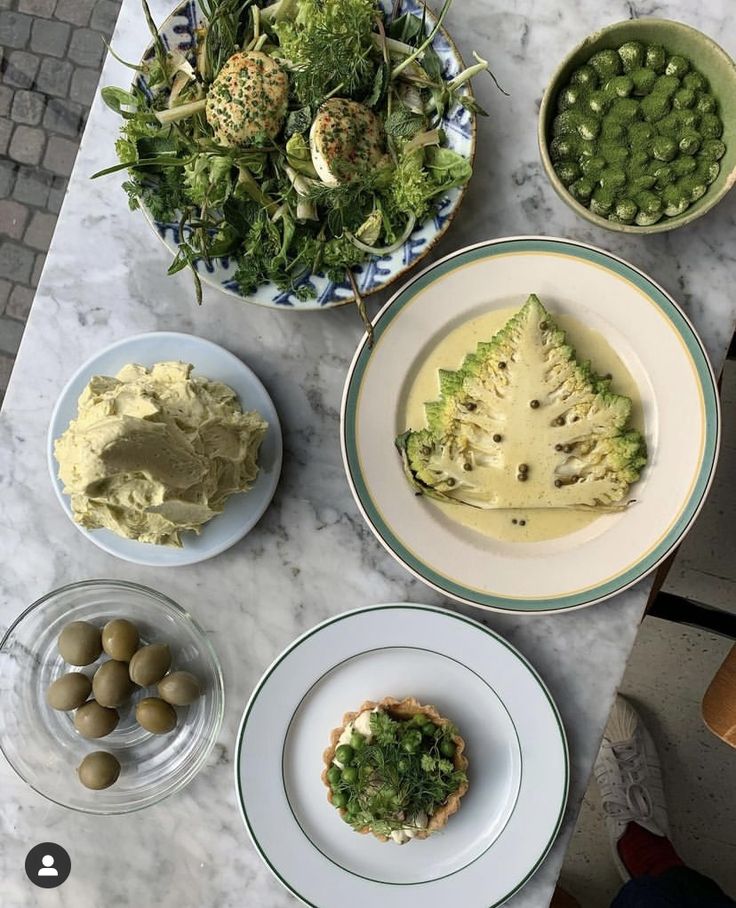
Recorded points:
(629, 777)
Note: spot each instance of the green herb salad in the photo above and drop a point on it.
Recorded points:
(295, 137)
(396, 769)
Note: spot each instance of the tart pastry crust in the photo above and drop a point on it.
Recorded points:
(403, 709)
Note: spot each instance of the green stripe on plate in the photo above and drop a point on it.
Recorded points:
(705, 376)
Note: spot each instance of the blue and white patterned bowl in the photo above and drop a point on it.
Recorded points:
(177, 33)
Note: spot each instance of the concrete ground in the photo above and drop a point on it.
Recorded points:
(51, 54)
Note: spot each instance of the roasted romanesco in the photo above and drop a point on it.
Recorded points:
(522, 424)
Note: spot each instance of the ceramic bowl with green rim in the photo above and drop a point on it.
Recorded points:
(597, 298)
(704, 55)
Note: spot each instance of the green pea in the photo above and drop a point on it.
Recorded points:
(711, 126)
(568, 98)
(602, 201)
(706, 104)
(666, 86)
(612, 178)
(582, 189)
(664, 148)
(621, 86)
(350, 774)
(598, 102)
(656, 58)
(677, 66)
(344, 754)
(447, 748)
(674, 201)
(712, 149)
(568, 172)
(692, 187)
(683, 165)
(654, 107)
(357, 741)
(589, 127)
(695, 81)
(566, 122)
(625, 211)
(334, 775)
(339, 799)
(690, 143)
(585, 76)
(648, 202)
(626, 110)
(643, 79)
(683, 98)
(632, 55)
(593, 167)
(607, 64)
(613, 153)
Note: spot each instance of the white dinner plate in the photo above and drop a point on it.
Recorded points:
(515, 743)
(660, 349)
(242, 511)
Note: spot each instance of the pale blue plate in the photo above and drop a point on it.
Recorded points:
(242, 511)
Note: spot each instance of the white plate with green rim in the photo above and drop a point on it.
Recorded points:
(652, 338)
(518, 764)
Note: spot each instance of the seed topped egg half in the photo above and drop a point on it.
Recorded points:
(345, 139)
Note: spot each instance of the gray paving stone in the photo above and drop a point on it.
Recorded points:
(75, 11)
(28, 107)
(53, 76)
(6, 99)
(43, 8)
(21, 69)
(32, 186)
(27, 143)
(63, 116)
(11, 332)
(5, 287)
(19, 304)
(16, 262)
(56, 198)
(6, 130)
(40, 230)
(84, 86)
(13, 218)
(14, 29)
(60, 155)
(8, 170)
(6, 367)
(50, 37)
(86, 47)
(37, 269)
(105, 15)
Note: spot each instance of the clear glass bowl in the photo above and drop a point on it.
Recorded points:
(42, 745)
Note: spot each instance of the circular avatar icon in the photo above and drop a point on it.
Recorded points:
(48, 865)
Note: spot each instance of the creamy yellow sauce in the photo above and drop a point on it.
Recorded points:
(507, 525)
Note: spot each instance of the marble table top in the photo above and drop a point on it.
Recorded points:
(311, 556)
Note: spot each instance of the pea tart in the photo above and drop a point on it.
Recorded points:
(395, 769)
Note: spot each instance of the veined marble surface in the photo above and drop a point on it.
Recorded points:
(311, 556)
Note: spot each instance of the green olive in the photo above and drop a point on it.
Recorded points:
(585, 76)
(621, 86)
(350, 774)
(695, 81)
(94, 721)
(155, 715)
(339, 799)
(179, 688)
(69, 691)
(79, 643)
(607, 64)
(656, 58)
(711, 126)
(706, 104)
(98, 770)
(447, 748)
(632, 55)
(120, 639)
(677, 66)
(625, 211)
(357, 741)
(344, 754)
(334, 775)
(150, 664)
(643, 79)
(111, 684)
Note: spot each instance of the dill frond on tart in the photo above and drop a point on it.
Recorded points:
(395, 769)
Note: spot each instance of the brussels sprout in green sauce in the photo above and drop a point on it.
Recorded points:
(638, 135)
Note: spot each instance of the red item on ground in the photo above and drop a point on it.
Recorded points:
(646, 854)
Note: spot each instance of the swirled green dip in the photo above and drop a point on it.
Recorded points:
(637, 135)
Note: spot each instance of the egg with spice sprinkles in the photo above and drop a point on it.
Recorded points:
(248, 99)
(346, 139)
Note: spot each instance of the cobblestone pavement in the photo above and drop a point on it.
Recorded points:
(51, 53)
